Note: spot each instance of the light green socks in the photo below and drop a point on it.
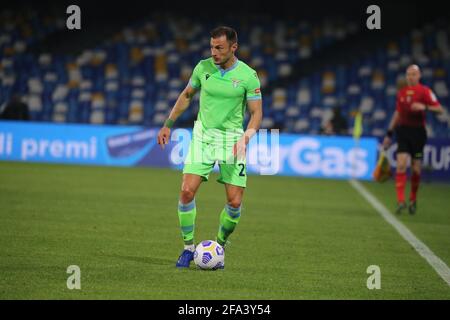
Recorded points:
(229, 218)
(186, 215)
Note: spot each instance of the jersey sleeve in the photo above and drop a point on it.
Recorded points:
(194, 82)
(430, 98)
(253, 88)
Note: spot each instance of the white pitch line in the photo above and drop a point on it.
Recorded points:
(438, 265)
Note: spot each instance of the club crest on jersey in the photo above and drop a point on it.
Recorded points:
(207, 76)
(235, 82)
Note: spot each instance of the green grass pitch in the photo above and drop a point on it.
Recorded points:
(297, 239)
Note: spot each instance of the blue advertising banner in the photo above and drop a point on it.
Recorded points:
(80, 144)
(320, 156)
(269, 153)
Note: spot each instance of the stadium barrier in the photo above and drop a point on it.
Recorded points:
(269, 153)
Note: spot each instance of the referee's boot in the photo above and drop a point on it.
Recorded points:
(185, 258)
(412, 208)
(400, 207)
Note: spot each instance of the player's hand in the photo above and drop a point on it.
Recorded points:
(386, 142)
(418, 106)
(240, 149)
(163, 136)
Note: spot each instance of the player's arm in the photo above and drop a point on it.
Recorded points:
(182, 103)
(435, 109)
(429, 103)
(254, 106)
(393, 123)
(419, 106)
(390, 131)
(255, 109)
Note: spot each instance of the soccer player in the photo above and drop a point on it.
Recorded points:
(408, 121)
(226, 86)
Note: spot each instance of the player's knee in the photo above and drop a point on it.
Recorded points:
(416, 169)
(234, 203)
(186, 195)
(401, 169)
(401, 166)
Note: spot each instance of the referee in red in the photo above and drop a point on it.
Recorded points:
(408, 123)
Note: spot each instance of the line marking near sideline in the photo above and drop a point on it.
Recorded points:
(438, 265)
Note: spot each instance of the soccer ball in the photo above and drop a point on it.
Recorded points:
(209, 255)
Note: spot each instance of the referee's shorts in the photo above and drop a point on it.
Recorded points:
(411, 140)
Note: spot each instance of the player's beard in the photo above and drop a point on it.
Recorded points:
(223, 62)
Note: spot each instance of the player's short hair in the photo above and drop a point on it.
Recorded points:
(229, 33)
